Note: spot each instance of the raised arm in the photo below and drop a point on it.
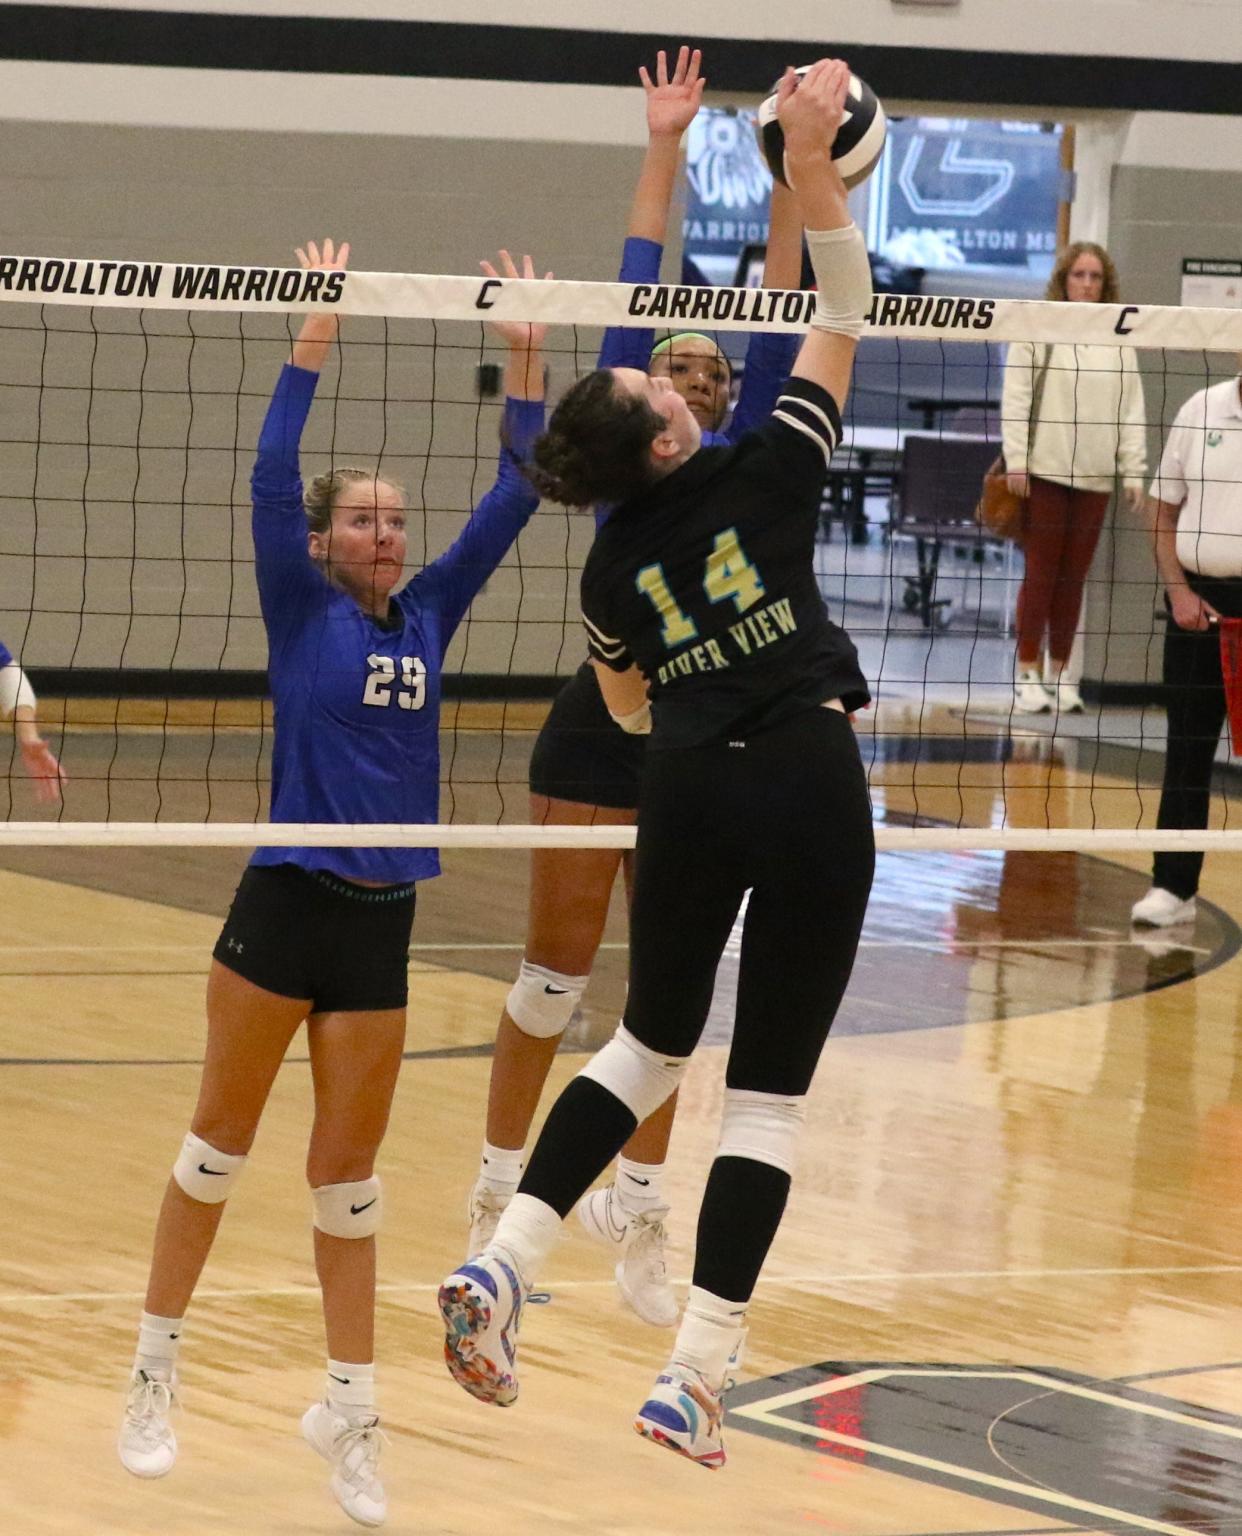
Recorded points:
(770, 354)
(18, 704)
(810, 114)
(287, 575)
(452, 581)
(671, 107)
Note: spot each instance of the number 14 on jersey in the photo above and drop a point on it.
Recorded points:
(729, 574)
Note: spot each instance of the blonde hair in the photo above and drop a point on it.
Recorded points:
(1110, 293)
(319, 495)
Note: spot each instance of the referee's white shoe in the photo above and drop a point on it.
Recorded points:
(638, 1240)
(146, 1443)
(1162, 909)
(683, 1414)
(481, 1304)
(352, 1448)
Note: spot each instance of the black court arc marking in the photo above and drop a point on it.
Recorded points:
(1039, 1439)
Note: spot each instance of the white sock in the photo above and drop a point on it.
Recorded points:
(350, 1389)
(639, 1186)
(527, 1233)
(159, 1339)
(711, 1329)
(501, 1168)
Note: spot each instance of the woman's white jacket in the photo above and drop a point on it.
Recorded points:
(1092, 425)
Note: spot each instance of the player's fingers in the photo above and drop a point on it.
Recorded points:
(528, 267)
(303, 258)
(682, 64)
(488, 269)
(647, 83)
(661, 68)
(342, 256)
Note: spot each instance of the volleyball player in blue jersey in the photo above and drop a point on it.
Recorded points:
(702, 587)
(18, 704)
(323, 934)
(585, 769)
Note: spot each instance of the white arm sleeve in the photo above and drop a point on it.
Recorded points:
(843, 278)
(15, 690)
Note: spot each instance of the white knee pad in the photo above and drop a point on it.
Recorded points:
(762, 1126)
(205, 1174)
(349, 1210)
(542, 1002)
(641, 1078)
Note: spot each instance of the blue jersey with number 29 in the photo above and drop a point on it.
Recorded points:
(357, 700)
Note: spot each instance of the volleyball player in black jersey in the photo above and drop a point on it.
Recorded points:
(585, 770)
(701, 587)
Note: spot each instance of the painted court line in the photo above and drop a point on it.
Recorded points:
(767, 1413)
(818, 1281)
(929, 946)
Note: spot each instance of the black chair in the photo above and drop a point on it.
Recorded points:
(934, 501)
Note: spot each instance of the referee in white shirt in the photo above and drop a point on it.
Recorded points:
(1197, 500)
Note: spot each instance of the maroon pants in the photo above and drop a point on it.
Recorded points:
(1062, 529)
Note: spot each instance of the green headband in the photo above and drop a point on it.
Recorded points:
(674, 337)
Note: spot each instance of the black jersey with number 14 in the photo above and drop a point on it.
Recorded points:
(707, 582)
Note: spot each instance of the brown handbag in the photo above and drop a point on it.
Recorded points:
(1000, 510)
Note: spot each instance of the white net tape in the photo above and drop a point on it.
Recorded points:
(418, 296)
(1175, 345)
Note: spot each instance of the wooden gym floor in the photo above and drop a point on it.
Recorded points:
(1006, 1296)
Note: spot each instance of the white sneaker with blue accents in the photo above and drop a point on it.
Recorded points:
(683, 1414)
(481, 1304)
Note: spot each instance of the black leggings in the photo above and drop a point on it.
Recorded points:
(786, 815)
(1195, 701)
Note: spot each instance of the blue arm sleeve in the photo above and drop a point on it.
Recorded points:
(286, 573)
(769, 361)
(6, 655)
(623, 346)
(452, 581)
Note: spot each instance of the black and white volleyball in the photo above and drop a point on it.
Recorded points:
(859, 142)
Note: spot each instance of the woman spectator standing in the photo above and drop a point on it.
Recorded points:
(1073, 422)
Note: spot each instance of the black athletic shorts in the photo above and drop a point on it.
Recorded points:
(785, 815)
(582, 754)
(308, 933)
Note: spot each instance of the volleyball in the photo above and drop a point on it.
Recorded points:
(859, 142)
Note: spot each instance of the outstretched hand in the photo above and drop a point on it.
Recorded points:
(673, 103)
(43, 769)
(319, 326)
(328, 259)
(810, 109)
(520, 335)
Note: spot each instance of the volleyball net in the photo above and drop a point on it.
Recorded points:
(131, 395)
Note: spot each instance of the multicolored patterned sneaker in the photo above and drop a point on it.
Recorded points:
(683, 1414)
(481, 1304)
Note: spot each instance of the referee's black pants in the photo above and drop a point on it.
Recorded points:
(784, 814)
(1195, 703)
